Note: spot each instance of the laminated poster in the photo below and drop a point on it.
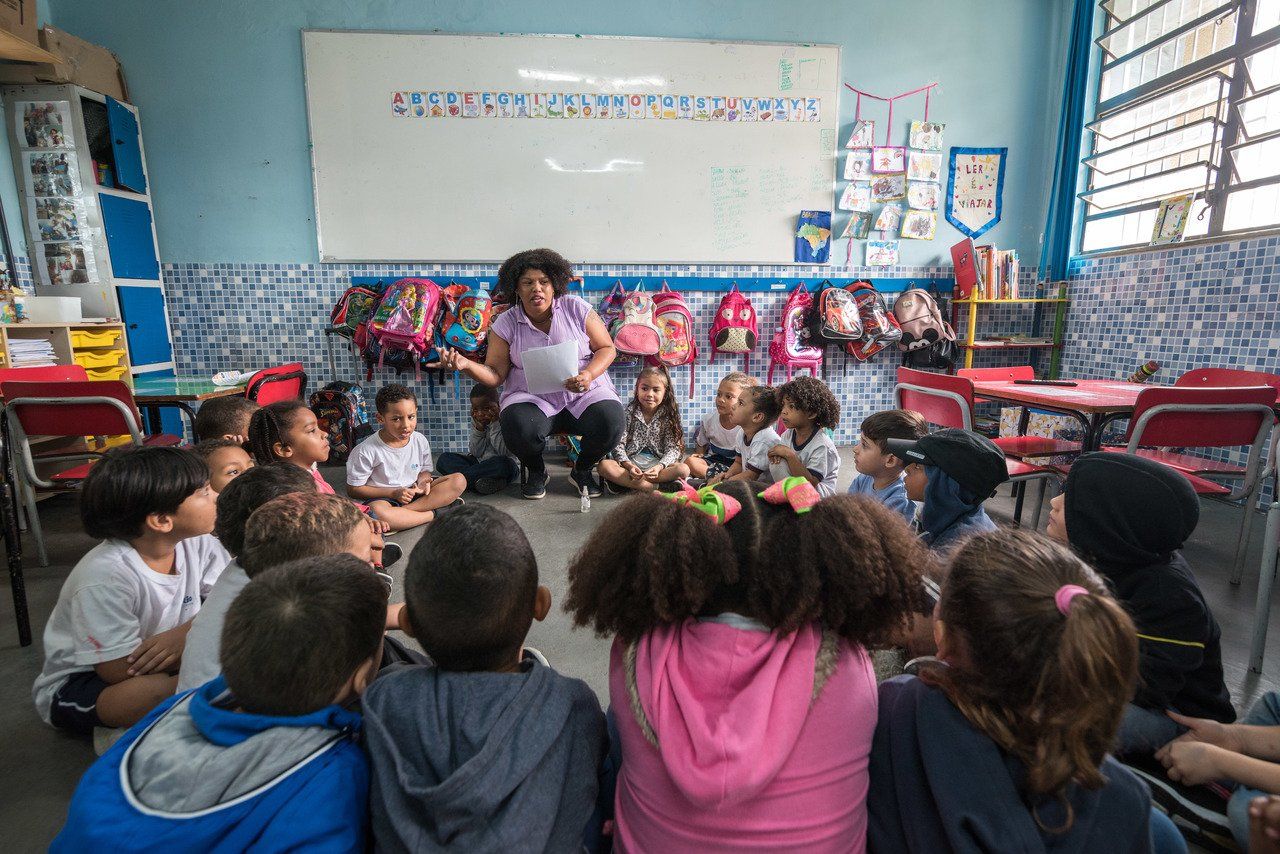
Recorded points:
(919, 225)
(51, 173)
(66, 264)
(882, 253)
(813, 237)
(45, 124)
(57, 218)
(889, 188)
(974, 189)
(926, 135)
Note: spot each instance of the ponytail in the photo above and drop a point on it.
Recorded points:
(1046, 658)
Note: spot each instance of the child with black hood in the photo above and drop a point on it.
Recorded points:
(952, 472)
(1129, 517)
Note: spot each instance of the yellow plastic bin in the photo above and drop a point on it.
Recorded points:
(103, 359)
(107, 373)
(86, 338)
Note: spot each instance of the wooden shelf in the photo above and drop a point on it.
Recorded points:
(15, 49)
(1007, 345)
(1009, 301)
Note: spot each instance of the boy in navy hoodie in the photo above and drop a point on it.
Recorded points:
(263, 757)
(489, 749)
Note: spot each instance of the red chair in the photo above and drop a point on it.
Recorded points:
(948, 402)
(1191, 417)
(283, 382)
(1019, 372)
(72, 410)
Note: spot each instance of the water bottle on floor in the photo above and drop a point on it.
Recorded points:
(585, 506)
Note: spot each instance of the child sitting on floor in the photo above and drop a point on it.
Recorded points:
(649, 453)
(235, 505)
(115, 638)
(718, 434)
(805, 449)
(739, 678)
(952, 472)
(226, 459)
(488, 466)
(489, 749)
(392, 469)
(757, 410)
(880, 471)
(1129, 518)
(225, 418)
(1002, 744)
(264, 757)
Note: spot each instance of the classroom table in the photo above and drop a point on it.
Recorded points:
(1095, 403)
(154, 393)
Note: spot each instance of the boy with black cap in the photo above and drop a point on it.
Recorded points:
(952, 472)
(1129, 517)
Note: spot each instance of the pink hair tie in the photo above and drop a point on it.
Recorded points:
(1065, 594)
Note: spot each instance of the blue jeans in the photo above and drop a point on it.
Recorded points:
(1145, 731)
(1265, 712)
(473, 469)
(1165, 838)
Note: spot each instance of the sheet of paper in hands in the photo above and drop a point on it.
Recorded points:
(546, 368)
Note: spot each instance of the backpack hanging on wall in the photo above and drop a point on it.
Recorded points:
(928, 341)
(610, 311)
(734, 329)
(677, 345)
(634, 333)
(790, 347)
(350, 315)
(466, 328)
(834, 319)
(879, 327)
(406, 321)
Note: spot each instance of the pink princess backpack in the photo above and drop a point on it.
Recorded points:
(405, 319)
(676, 344)
(734, 329)
(790, 347)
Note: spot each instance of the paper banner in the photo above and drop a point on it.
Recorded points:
(974, 189)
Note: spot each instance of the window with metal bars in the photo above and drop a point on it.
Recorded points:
(1188, 102)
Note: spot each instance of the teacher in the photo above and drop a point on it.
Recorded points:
(542, 314)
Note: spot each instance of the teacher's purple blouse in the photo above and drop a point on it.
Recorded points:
(568, 323)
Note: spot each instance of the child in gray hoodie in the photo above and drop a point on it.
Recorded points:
(489, 749)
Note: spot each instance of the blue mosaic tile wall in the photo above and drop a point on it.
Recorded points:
(243, 316)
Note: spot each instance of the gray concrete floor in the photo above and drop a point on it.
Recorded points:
(40, 766)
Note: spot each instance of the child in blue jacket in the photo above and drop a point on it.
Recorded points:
(263, 757)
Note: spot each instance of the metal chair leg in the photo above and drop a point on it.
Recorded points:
(1246, 530)
(1020, 493)
(1043, 488)
(33, 523)
(1266, 578)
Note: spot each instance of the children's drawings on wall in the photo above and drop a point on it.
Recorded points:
(1171, 219)
(924, 166)
(856, 197)
(539, 105)
(889, 218)
(926, 135)
(863, 134)
(919, 225)
(857, 165)
(889, 188)
(858, 227)
(887, 159)
(974, 189)
(45, 124)
(923, 196)
(882, 253)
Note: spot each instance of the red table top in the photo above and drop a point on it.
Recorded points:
(1087, 396)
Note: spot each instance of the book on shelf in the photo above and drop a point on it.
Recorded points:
(997, 271)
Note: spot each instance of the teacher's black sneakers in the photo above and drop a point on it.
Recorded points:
(585, 480)
(536, 486)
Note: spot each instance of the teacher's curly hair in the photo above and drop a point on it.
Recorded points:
(549, 261)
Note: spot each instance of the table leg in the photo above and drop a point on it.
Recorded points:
(191, 414)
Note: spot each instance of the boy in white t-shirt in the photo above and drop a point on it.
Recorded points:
(718, 435)
(114, 641)
(756, 412)
(393, 469)
(809, 410)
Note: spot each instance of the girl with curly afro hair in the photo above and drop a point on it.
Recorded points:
(744, 696)
(806, 450)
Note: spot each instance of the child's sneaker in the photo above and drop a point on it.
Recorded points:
(489, 485)
(391, 553)
(536, 486)
(585, 480)
(528, 653)
(613, 488)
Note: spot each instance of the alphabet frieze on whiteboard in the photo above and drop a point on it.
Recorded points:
(590, 105)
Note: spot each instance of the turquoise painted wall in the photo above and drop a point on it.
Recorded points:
(8, 183)
(220, 89)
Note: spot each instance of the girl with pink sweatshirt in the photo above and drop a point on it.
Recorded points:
(744, 696)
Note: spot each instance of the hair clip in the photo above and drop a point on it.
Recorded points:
(1065, 594)
(796, 491)
(721, 508)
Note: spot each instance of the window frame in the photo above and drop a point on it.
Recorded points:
(1229, 64)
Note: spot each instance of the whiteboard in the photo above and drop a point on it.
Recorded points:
(391, 186)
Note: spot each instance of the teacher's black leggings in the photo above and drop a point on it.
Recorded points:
(526, 429)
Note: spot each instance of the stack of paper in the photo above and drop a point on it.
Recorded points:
(31, 352)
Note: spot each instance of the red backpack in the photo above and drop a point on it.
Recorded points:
(790, 347)
(734, 329)
(675, 328)
(879, 327)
